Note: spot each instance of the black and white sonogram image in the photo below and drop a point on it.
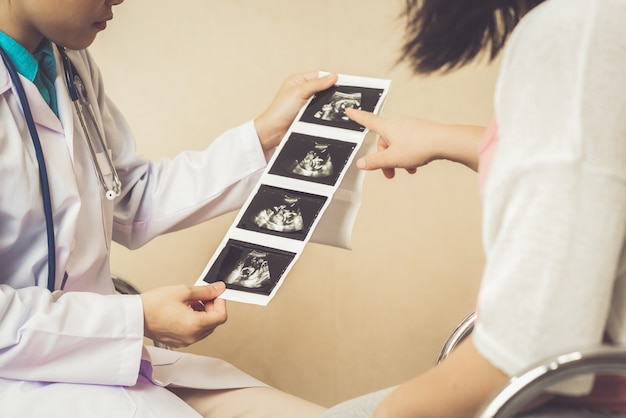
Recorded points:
(248, 267)
(328, 107)
(282, 212)
(310, 158)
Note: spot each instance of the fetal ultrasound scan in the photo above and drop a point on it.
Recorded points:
(282, 212)
(328, 107)
(311, 158)
(252, 271)
(316, 163)
(248, 267)
(285, 216)
(335, 108)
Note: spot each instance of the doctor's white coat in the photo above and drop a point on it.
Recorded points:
(81, 355)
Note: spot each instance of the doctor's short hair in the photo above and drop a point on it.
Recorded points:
(443, 35)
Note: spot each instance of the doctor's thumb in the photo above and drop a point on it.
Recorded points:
(207, 292)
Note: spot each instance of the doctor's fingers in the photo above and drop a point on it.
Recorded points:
(205, 321)
(209, 311)
(190, 326)
(204, 293)
(307, 84)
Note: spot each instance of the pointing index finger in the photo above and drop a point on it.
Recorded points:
(367, 119)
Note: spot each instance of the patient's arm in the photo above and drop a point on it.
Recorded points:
(455, 388)
(409, 143)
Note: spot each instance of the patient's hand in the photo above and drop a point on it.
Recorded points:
(182, 315)
(409, 143)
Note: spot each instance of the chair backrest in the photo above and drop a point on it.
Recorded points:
(526, 387)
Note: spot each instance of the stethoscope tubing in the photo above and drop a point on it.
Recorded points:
(80, 102)
(43, 172)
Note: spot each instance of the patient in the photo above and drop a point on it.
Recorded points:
(554, 196)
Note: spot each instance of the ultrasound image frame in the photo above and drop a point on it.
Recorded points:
(369, 99)
(312, 163)
(236, 251)
(270, 196)
(296, 147)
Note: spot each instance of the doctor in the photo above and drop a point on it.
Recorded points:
(69, 346)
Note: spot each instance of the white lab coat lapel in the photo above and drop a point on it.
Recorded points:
(42, 114)
(92, 220)
(58, 165)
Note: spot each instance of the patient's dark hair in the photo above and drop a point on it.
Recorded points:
(442, 35)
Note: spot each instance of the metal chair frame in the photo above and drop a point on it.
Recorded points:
(461, 332)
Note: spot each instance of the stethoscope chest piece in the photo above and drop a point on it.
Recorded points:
(111, 194)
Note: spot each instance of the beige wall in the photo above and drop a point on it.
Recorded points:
(344, 322)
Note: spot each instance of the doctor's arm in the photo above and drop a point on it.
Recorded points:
(89, 338)
(409, 143)
(82, 337)
(194, 186)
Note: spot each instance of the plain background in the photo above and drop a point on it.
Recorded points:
(345, 322)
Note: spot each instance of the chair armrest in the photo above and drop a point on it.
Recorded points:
(522, 389)
(124, 287)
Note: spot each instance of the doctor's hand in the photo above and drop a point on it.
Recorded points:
(273, 123)
(181, 315)
(409, 143)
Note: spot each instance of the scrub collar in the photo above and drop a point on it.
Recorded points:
(39, 68)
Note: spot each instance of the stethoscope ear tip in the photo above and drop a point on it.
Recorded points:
(110, 195)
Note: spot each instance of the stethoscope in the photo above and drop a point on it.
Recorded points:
(78, 94)
(84, 110)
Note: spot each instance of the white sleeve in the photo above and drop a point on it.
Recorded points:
(195, 186)
(174, 193)
(70, 340)
(555, 201)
